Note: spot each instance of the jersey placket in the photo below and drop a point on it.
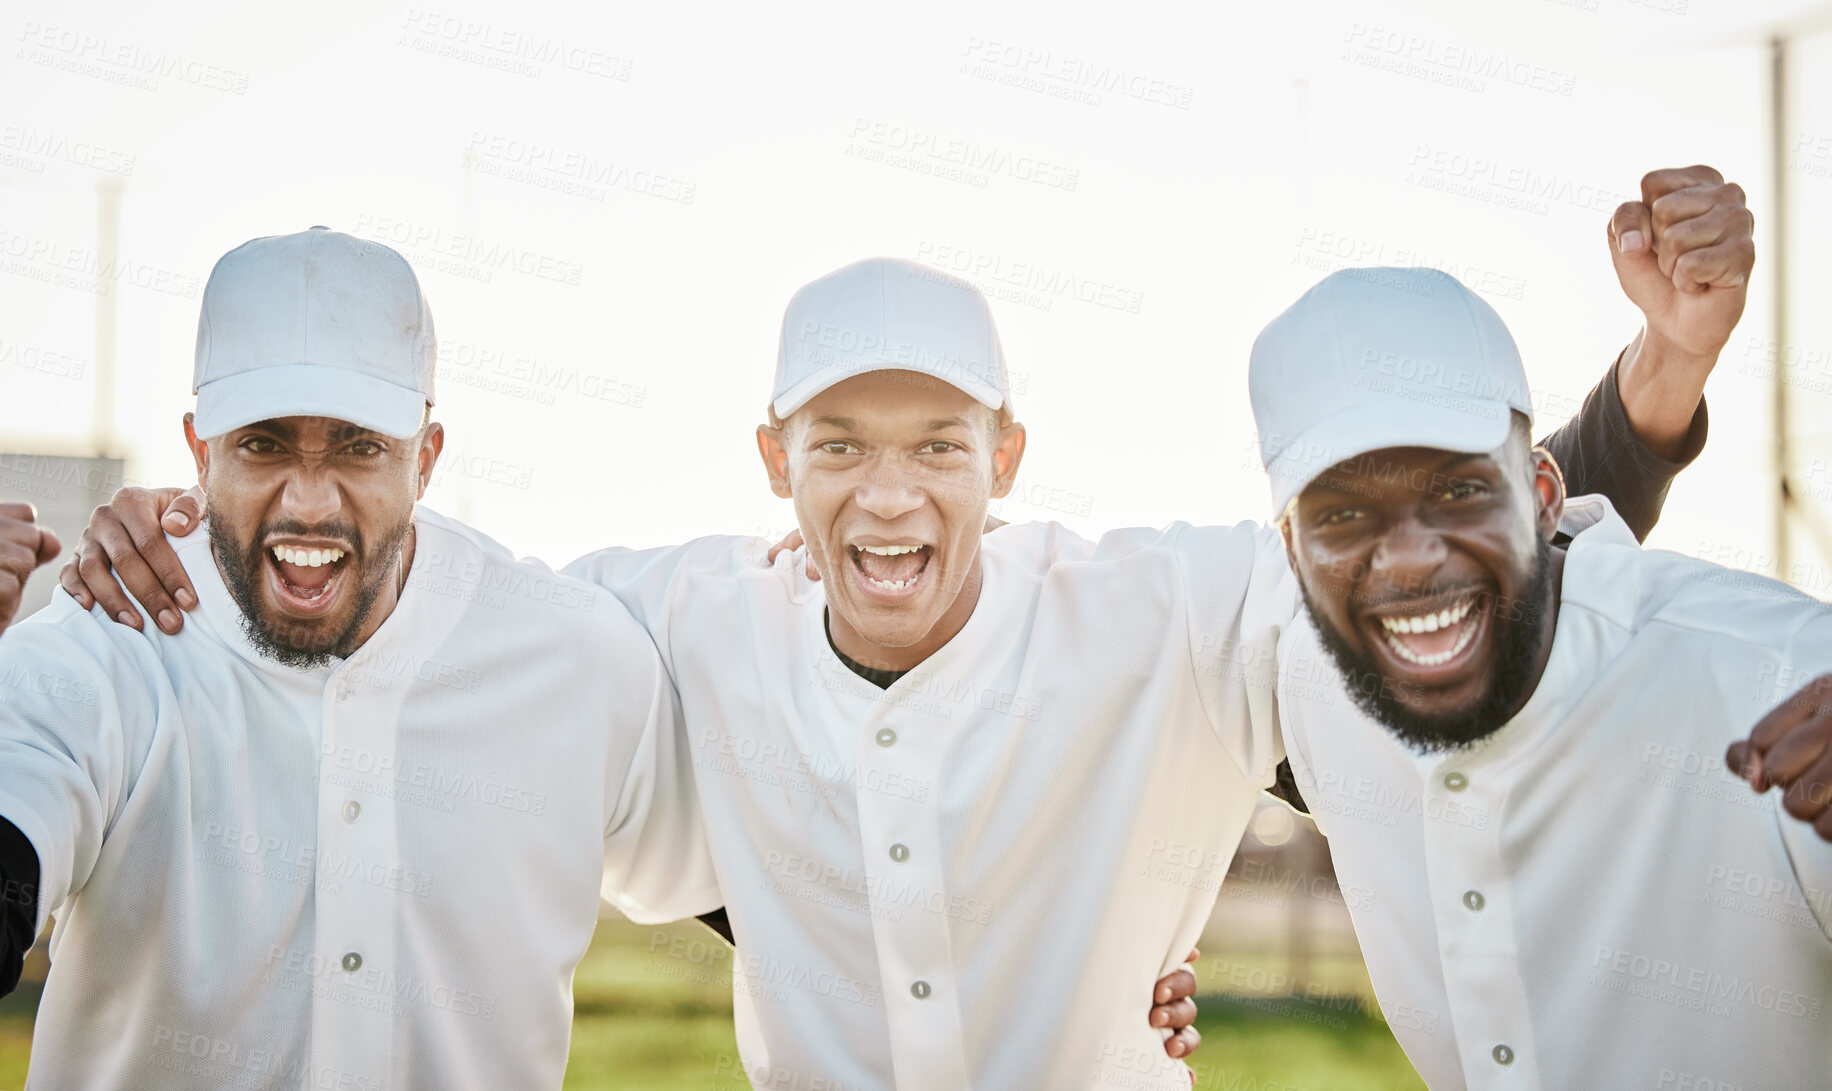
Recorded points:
(900, 777)
(1473, 905)
(360, 993)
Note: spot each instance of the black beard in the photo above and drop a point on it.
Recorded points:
(292, 645)
(1518, 641)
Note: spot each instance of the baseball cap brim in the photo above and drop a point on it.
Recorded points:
(307, 390)
(828, 377)
(1472, 428)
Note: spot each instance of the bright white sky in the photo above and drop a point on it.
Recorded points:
(733, 152)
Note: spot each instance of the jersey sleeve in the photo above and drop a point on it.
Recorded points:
(647, 581)
(76, 714)
(1599, 452)
(657, 862)
(1239, 595)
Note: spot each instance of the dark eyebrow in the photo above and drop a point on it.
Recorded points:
(1458, 460)
(945, 423)
(844, 424)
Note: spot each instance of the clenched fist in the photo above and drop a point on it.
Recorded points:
(24, 545)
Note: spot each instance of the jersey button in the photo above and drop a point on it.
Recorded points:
(886, 737)
(351, 810)
(352, 962)
(920, 990)
(343, 693)
(1456, 782)
(900, 852)
(1503, 1055)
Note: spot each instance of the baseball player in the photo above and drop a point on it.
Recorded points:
(1564, 884)
(907, 765)
(351, 829)
(333, 835)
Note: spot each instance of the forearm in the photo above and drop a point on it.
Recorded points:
(18, 903)
(1661, 390)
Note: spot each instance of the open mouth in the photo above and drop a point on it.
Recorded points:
(891, 571)
(306, 577)
(1434, 639)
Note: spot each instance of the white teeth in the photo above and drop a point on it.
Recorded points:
(1410, 656)
(1427, 623)
(307, 558)
(889, 551)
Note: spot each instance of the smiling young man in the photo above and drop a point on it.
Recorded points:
(961, 762)
(349, 829)
(1566, 887)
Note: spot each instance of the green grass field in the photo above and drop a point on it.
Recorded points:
(649, 1022)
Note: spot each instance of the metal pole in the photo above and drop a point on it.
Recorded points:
(108, 258)
(1777, 248)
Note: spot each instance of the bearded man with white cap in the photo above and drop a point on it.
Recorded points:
(1566, 886)
(338, 833)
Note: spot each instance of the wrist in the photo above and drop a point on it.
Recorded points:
(1661, 386)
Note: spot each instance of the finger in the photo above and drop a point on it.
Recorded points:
(1177, 1013)
(1176, 985)
(1726, 265)
(17, 559)
(72, 583)
(1676, 214)
(48, 545)
(1658, 183)
(1183, 1043)
(1736, 758)
(20, 510)
(1808, 795)
(1794, 755)
(184, 513)
(1195, 953)
(92, 567)
(1794, 710)
(169, 570)
(1629, 230)
(128, 555)
(813, 572)
(1823, 827)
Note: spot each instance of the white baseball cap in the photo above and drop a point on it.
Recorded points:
(885, 314)
(1376, 358)
(315, 324)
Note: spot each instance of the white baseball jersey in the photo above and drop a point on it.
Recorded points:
(376, 874)
(974, 877)
(1588, 898)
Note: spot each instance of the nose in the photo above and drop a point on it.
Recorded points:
(887, 497)
(311, 496)
(1408, 555)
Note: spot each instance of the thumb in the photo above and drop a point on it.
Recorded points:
(1631, 248)
(184, 513)
(48, 545)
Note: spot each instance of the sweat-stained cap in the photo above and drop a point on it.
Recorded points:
(316, 324)
(1376, 358)
(885, 314)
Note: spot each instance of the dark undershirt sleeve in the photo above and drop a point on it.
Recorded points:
(720, 925)
(1599, 452)
(18, 903)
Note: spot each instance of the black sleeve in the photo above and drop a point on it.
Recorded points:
(1287, 789)
(1600, 453)
(720, 924)
(18, 903)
